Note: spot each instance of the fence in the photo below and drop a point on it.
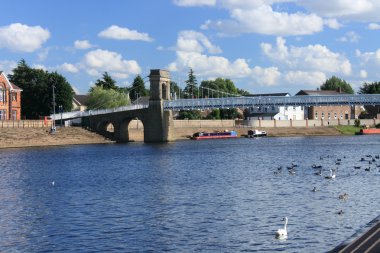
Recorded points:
(25, 123)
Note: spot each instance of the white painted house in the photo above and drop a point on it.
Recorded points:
(275, 112)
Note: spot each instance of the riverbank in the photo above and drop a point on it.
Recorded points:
(32, 137)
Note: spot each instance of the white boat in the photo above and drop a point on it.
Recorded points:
(256, 133)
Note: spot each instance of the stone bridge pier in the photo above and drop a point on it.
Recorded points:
(158, 124)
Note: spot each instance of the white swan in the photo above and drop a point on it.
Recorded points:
(332, 175)
(282, 232)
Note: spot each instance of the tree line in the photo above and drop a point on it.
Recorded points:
(37, 95)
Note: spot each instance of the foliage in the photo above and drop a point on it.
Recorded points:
(334, 83)
(357, 122)
(377, 125)
(37, 94)
(371, 88)
(175, 89)
(138, 89)
(195, 114)
(348, 130)
(219, 87)
(106, 82)
(191, 89)
(100, 98)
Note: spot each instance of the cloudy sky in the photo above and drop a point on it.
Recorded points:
(264, 46)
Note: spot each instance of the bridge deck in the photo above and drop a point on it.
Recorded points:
(369, 241)
(239, 102)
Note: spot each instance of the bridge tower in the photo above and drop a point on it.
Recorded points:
(158, 124)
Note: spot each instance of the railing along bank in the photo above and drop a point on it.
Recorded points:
(25, 123)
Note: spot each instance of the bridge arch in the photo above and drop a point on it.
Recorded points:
(106, 128)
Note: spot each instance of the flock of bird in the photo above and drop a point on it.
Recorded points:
(369, 163)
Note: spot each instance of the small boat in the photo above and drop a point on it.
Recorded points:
(214, 135)
(256, 133)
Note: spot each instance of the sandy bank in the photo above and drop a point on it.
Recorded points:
(29, 137)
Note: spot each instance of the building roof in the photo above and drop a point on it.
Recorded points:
(320, 92)
(80, 99)
(11, 85)
(268, 95)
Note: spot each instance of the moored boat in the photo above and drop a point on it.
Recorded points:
(369, 131)
(256, 133)
(214, 135)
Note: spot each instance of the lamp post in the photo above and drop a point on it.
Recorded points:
(53, 123)
(61, 110)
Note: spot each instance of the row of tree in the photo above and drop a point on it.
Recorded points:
(37, 95)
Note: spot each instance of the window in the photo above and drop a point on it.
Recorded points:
(316, 115)
(14, 96)
(335, 115)
(329, 115)
(14, 114)
(323, 115)
(1, 94)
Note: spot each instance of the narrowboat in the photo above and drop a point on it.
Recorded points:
(214, 135)
(369, 131)
(256, 133)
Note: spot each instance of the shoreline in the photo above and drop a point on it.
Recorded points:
(40, 137)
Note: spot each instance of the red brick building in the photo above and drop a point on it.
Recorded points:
(329, 112)
(10, 99)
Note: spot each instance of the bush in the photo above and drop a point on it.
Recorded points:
(377, 125)
(357, 122)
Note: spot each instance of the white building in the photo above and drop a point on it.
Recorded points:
(275, 112)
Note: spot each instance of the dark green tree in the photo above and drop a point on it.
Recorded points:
(371, 88)
(137, 89)
(191, 89)
(37, 94)
(334, 83)
(194, 114)
(106, 82)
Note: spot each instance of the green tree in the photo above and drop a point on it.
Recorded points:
(371, 88)
(334, 83)
(191, 89)
(138, 89)
(175, 89)
(37, 94)
(194, 114)
(100, 98)
(106, 82)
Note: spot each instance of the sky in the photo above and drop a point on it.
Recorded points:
(263, 46)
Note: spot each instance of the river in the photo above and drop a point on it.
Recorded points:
(187, 196)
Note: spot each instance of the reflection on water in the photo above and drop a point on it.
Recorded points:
(216, 195)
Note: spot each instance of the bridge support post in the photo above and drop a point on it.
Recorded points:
(159, 125)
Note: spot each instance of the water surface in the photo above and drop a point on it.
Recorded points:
(187, 196)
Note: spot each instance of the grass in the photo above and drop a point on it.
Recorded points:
(348, 130)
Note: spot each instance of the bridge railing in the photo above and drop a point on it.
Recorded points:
(79, 114)
(244, 102)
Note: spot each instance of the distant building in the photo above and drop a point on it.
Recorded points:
(275, 112)
(79, 103)
(329, 112)
(10, 99)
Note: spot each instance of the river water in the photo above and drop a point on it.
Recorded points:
(187, 196)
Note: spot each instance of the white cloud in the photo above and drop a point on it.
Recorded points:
(332, 23)
(98, 61)
(82, 44)
(187, 3)
(310, 78)
(192, 41)
(40, 66)
(309, 58)
(265, 76)
(350, 37)
(7, 66)
(122, 33)
(363, 73)
(374, 26)
(264, 20)
(359, 10)
(23, 38)
(68, 67)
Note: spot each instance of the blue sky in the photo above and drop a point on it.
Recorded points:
(263, 46)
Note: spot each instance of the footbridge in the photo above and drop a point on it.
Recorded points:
(157, 116)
